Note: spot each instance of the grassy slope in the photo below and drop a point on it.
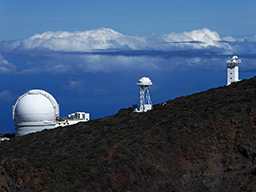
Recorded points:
(204, 142)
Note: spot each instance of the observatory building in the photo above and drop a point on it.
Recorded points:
(145, 102)
(34, 111)
(232, 70)
(72, 119)
(37, 110)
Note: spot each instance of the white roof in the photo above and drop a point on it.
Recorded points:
(144, 81)
(234, 58)
(35, 106)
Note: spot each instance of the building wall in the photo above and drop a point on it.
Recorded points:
(232, 74)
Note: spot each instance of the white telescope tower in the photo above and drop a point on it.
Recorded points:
(145, 102)
(232, 70)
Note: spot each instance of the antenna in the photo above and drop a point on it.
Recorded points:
(145, 102)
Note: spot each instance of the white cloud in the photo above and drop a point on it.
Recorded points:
(91, 40)
(106, 50)
(204, 35)
(5, 66)
(105, 39)
(6, 95)
(106, 63)
(229, 39)
(197, 39)
(75, 85)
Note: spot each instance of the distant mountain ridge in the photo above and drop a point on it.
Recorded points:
(201, 142)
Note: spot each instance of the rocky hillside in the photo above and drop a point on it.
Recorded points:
(202, 142)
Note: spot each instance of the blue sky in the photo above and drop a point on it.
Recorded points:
(21, 19)
(90, 54)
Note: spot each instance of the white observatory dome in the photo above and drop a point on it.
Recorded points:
(34, 111)
(234, 58)
(144, 81)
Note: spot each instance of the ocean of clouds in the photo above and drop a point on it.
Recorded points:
(106, 50)
(5, 66)
(106, 39)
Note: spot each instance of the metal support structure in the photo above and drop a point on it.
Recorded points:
(148, 96)
(145, 102)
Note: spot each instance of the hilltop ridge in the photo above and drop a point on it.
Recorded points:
(201, 142)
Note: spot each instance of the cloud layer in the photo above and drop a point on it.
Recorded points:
(6, 96)
(108, 39)
(5, 66)
(106, 50)
(75, 85)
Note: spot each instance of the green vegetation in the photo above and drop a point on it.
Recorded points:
(201, 142)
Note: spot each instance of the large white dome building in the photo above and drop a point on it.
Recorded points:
(34, 111)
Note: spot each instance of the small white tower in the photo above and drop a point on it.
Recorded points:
(145, 102)
(232, 70)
